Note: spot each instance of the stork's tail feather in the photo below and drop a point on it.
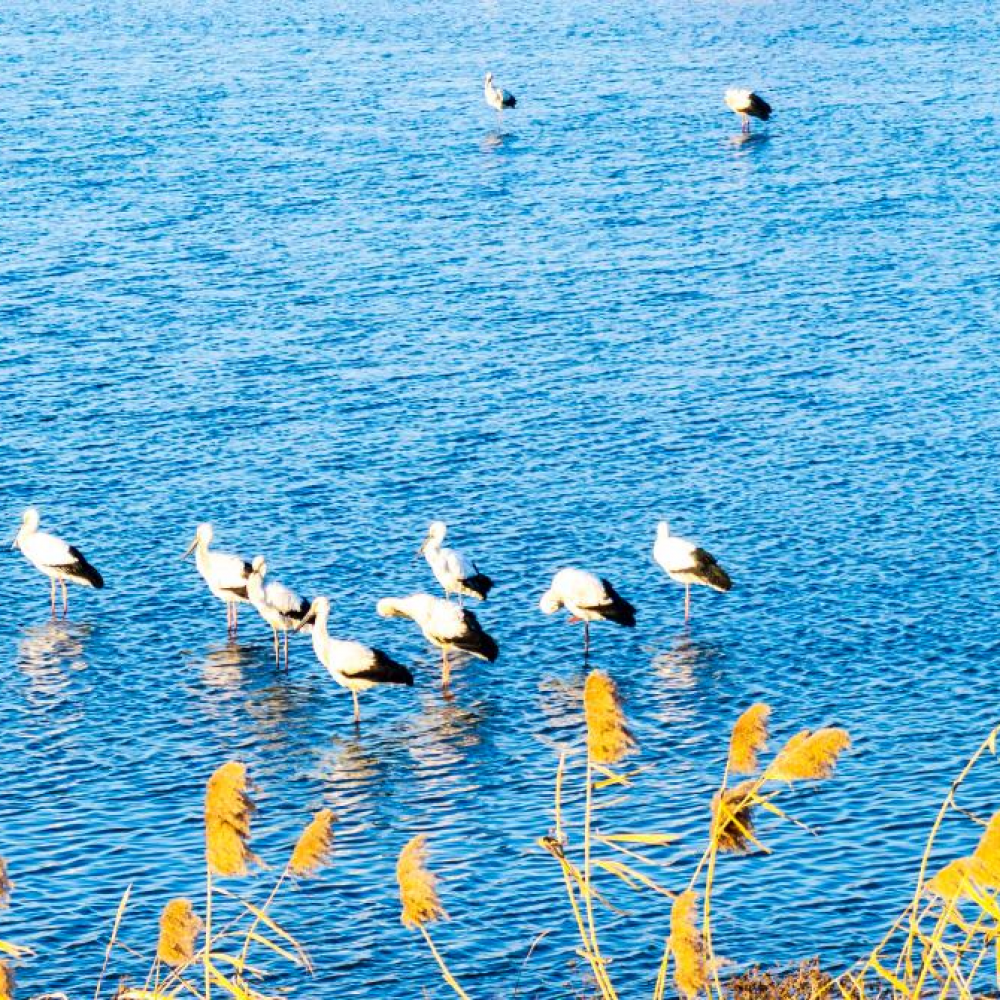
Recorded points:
(510, 101)
(759, 108)
(389, 671)
(82, 571)
(711, 573)
(477, 642)
(620, 611)
(480, 585)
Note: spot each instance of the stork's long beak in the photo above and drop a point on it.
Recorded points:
(190, 548)
(423, 546)
(309, 616)
(14, 541)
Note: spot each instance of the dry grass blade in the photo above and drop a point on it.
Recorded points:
(749, 738)
(608, 738)
(179, 929)
(228, 810)
(314, 845)
(6, 982)
(809, 756)
(688, 946)
(987, 854)
(732, 818)
(417, 886)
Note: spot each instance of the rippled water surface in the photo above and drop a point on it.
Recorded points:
(275, 265)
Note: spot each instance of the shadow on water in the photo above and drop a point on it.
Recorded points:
(746, 141)
(496, 139)
(49, 652)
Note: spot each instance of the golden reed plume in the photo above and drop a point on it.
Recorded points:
(179, 929)
(749, 738)
(953, 881)
(6, 982)
(5, 884)
(314, 845)
(687, 946)
(809, 756)
(417, 886)
(732, 818)
(227, 820)
(608, 739)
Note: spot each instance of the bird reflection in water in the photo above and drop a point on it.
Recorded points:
(748, 139)
(686, 658)
(224, 666)
(48, 653)
(443, 733)
(495, 140)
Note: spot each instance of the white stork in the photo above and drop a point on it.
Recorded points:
(54, 557)
(746, 104)
(444, 625)
(685, 563)
(277, 604)
(456, 573)
(225, 574)
(496, 97)
(588, 599)
(352, 665)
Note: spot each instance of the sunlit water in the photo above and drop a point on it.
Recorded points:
(276, 266)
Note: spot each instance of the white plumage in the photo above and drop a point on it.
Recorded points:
(57, 559)
(225, 574)
(444, 625)
(684, 562)
(277, 604)
(496, 97)
(456, 573)
(352, 665)
(587, 598)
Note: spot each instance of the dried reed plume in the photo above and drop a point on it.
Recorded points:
(608, 739)
(179, 929)
(5, 884)
(227, 820)
(314, 845)
(688, 946)
(417, 886)
(6, 982)
(734, 827)
(808, 756)
(749, 738)
(953, 881)
(987, 854)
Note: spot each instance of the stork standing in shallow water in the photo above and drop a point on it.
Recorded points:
(55, 558)
(352, 665)
(225, 574)
(685, 563)
(588, 599)
(278, 605)
(498, 98)
(456, 573)
(444, 625)
(746, 104)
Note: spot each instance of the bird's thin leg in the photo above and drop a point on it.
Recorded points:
(687, 601)
(357, 709)
(236, 618)
(277, 661)
(445, 667)
(586, 640)
(229, 619)
(65, 598)
(286, 651)
(53, 597)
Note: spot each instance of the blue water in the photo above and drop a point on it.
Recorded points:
(276, 266)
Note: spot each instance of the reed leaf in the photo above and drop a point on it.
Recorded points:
(987, 854)
(749, 738)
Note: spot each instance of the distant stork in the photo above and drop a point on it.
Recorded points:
(225, 574)
(278, 605)
(747, 104)
(55, 558)
(588, 599)
(685, 563)
(498, 98)
(444, 625)
(455, 572)
(352, 665)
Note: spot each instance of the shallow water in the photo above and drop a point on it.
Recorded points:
(276, 266)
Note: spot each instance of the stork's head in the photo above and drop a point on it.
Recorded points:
(318, 611)
(202, 537)
(663, 530)
(551, 602)
(259, 566)
(489, 79)
(29, 525)
(435, 535)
